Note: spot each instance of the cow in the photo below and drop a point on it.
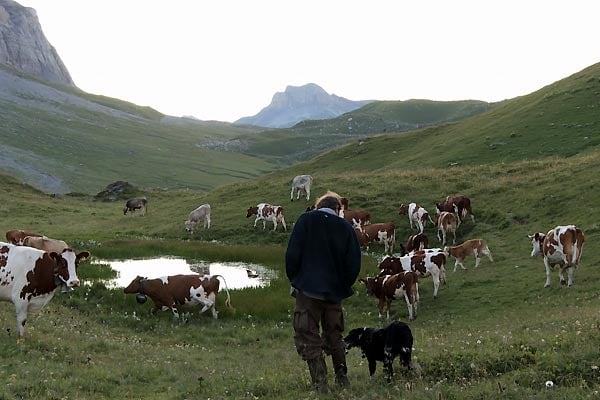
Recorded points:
(356, 218)
(384, 233)
(170, 292)
(447, 222)
(415, 242)
(138, 203)
(425, 262)
(301, 183)
(475, 247)
(29, 278)
(201, 213)
(16, 236)
(45, 243)
(267, 212)
(416, 214)
(561, 246)
(459, 204)
(389, 287)
(383, 344)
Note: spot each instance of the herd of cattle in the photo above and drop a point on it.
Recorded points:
(33, 267)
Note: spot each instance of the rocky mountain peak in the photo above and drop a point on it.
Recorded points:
(23, 45)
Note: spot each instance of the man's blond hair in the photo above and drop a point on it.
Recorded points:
(329, 194)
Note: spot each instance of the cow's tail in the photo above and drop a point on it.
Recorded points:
(228, 300)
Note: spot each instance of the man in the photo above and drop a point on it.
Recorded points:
(322, 263)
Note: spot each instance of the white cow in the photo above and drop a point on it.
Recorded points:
(416, 214)
(301, 183)
(202, 213)
(30, 277)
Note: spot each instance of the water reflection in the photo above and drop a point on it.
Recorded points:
(237, 274)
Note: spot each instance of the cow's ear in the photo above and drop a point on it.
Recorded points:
(84, 255)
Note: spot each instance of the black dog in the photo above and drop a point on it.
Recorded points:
(383, 344)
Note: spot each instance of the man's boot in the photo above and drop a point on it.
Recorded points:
(340, 369)
(318, 374)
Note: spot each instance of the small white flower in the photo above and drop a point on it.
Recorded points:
(549, 384)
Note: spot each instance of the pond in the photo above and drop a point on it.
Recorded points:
(238, 275)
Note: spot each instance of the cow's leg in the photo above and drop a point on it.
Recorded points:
(274, 225)
(256, 221)
(435, 276)
(409, 306)
(372, 367)
(411, 222)
(477, 260)
(283, 223)
(380, 307)
(571, 274)
(421, 227)
(548, 271)
(454, 239)
(21, 310)
(488, 253)
(175, 312)
(292, 194)
(307, 194)
(561, 275)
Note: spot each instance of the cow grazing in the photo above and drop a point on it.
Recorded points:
(383, 233)
(29, 278)
(383, 344)
(301, 184)
(170, 292)
(139, 203)
(46, 244)
(416, 242)
(416, 214)
(16, 236)
(425, 262)
(459, 204)
(475, 247)
(389, 287)
(561, 246)
(267, 212)
(447, 223)
(202, 213)
(356, 218)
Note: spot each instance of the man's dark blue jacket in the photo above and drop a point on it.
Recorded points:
(323, 256)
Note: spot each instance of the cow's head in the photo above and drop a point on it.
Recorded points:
(189, 225)
(251, 211)
(536, 242)
(403, 209)
(371, 284)
(135, 286)
(66, 266)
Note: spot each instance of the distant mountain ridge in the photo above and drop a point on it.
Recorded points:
(300, 103)
(24, 46)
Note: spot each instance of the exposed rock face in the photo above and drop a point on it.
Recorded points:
(24, 46)
(299, 103)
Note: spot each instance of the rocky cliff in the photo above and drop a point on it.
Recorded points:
(299, 103)
(24, 46)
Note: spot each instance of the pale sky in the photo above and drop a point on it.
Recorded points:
(224, 59)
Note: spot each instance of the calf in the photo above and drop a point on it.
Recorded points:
(356, 218)
(384, 233)
(427, 262)
(267, 212)
(416, 242)
(459, 204)
(170, 292)
(389, 287)
(561, 246)
(139, 203)
(475, 247)
(416, 214)
(447, 222)
(383, 344)
(301, 183)
(16, 236)
(201, 213)
(29, 278)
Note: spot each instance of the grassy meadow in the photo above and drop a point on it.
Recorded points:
(494, 332)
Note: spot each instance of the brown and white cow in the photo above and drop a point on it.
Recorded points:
(201, 213)
(267, 212)
(459, 204)
(425, 262)
(356, 218)
(45, 243)
(16, 236)
(447, 222)
(383, 233)
(561, 246)
(416, 242)
(29, 277)
(389, 287)
(302, 184)
(170, 292)
(138, 203)
(474, 247)
(416, 214)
